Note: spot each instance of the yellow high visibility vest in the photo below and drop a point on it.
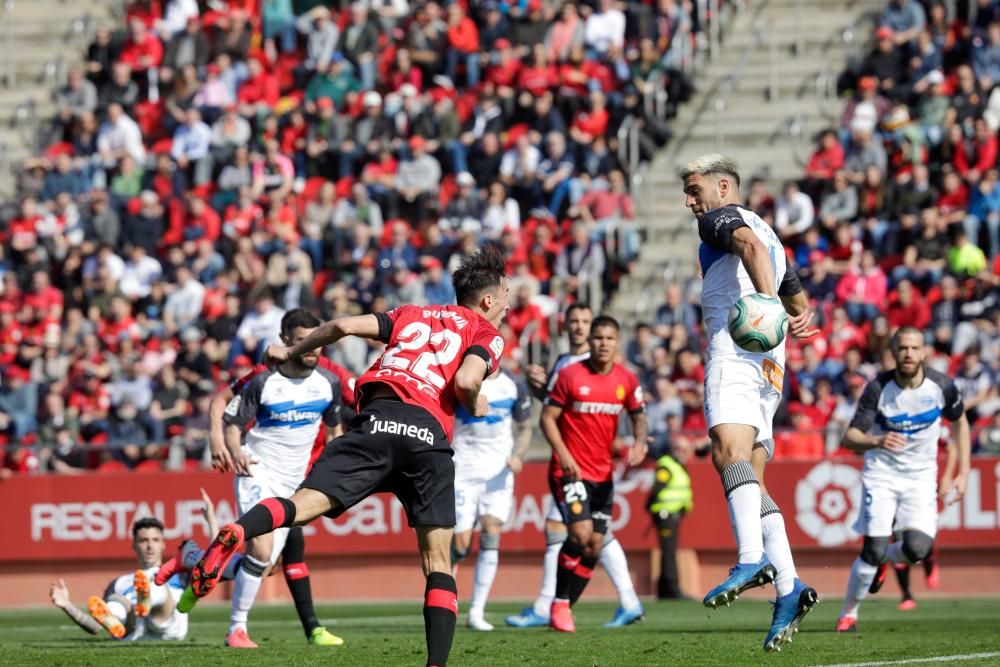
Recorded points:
(674, 484)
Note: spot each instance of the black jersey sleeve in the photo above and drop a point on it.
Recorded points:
(953, 408)
(716, 227)
(867, 412)
(790, 283)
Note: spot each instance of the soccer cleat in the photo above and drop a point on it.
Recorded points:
(908, 604)
(742, 577)
(188, 600)
(207, 571)
(323, 637)
(560, 617)
(625, 617)
(528, 618)
(932, 570)
(789, 610)
(140, 582)
(879, 579)
(99, 611)
(847, 624)
(478, 623)
(179, 563)
(239, 639)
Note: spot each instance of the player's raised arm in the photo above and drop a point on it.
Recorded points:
(364, 326)
(756, 260)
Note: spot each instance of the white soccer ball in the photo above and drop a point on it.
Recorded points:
(758, 323)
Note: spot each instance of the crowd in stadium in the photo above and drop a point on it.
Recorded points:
(214, 163)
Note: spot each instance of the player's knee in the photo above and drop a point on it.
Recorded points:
(260, 548)
(253, 566)
(555, 533)
(607, 538)
(916, 545)
(873, 549)
(489, 541)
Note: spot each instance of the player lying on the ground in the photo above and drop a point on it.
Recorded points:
(488, 453)
(271, 425)
(435, 357)
(138, 605)
(897, 425)
(741, 255)
(578, 318)
(580, 421)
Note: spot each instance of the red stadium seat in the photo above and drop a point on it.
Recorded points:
(150, 465)
(111, 466)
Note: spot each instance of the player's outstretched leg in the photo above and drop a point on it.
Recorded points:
(293, 557)
(140, 583)
(613, 560)
(743, 495)
(101, 612)
(863, 573)
(181, 562)
(264, 517)
(538, 614)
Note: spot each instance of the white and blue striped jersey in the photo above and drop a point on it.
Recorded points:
(916, 413)
(285, 413)
(483, 444)
(725, 279)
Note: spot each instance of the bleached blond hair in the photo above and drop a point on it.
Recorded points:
(710, 165)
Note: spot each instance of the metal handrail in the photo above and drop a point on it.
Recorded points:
(628, 145)
(25, 122)
(54, 74)
(10, 76)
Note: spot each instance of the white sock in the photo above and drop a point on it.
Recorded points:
(894, 554)
(158, 595)
(616, 565)
(550, 567)
(743, 496)
(778, 552)
(246, 585)
(118, 610)
(486, 572)
(862, 575)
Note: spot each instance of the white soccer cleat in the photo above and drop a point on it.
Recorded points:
(478, 623)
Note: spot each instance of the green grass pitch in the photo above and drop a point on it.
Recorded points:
(674, 633)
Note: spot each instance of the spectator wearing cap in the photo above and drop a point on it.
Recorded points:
(986, 56)
(867, 108)
(322, 35)
(369, 132)
(295, 292)
(465, 208)
(438, 289)
(190, 148)
(359, 42)
(417, 180)
(463, 46)
(278, 21)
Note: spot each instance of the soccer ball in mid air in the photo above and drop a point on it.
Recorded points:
(758, 323)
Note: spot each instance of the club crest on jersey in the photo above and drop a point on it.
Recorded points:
(620, 393)
(496, 346)
(233, 407)
(576, 508)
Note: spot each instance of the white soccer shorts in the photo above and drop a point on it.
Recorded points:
(742, 390)
(175, 628)
(481, 496)
(251, 490)
(908, 502)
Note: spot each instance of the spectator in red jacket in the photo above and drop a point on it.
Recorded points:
(971, 165)
(907, 307)
(863, 288)
(463, 46)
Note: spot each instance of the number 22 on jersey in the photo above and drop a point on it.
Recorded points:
(421, 354)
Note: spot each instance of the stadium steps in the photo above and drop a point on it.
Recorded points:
(43, 31)
(755, 131)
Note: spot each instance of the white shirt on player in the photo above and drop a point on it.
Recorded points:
(725, 279)
(175, 628)
(285, 413)
(916, 413)
(483, 444)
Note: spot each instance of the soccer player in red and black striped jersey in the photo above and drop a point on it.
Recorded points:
(435, 358)
(580, 420)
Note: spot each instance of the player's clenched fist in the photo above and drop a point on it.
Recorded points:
(894, 442)
(276, 354)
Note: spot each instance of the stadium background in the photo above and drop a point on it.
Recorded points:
(135, 271)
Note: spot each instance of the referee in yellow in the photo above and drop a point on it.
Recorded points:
(669, 501)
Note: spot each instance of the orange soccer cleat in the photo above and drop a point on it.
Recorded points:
(847, 624)
(207, 572)
(239, 639)
(140, 581)
(560, 617)
(99, 611)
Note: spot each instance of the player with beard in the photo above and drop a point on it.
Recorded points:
(897, 426)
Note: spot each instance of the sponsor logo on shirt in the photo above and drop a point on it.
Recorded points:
(593, 408)
(294, 416)
(423, 434)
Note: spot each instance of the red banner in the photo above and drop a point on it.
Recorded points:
(90, 516)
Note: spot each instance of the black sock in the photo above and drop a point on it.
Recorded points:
(930, 561)
(581, 577)
(569, 559)
(440, 614)
(297, 578)
(266, 516)
(903, 575)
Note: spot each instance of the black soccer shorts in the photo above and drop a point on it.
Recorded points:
(395, 447)
(584, 500)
